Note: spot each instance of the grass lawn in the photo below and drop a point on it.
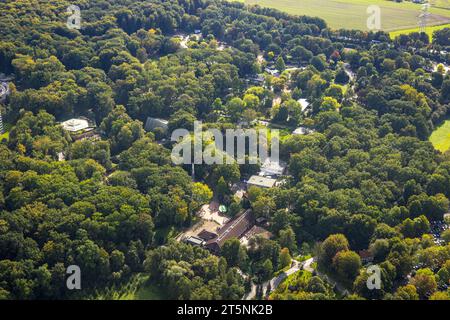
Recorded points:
(146, 292)
(6, 128)
(137, 288)
(352, 14)
(4, 136)
(149, 293)
(162, 235)
(441, 137)
(303, 258)
(301, 277)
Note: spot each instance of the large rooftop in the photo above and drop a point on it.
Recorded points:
(234, 229)
(262, 182)
(75, 125)
(272, 168)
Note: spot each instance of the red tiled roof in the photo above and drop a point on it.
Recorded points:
(365, 254)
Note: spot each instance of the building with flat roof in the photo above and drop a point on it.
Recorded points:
(261, 182)
(272, 168)
(195, 241)
(272, 71)
(75, 125)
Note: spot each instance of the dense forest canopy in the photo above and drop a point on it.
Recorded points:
(365, 178)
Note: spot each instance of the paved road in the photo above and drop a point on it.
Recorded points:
(296, 266)
(348, 70)
(184, 42)
(275, 282)
(307, 267)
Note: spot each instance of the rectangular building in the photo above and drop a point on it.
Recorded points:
(272, 168)
(261, 182)
(235, 228)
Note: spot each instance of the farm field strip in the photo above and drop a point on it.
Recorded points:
(352, 14)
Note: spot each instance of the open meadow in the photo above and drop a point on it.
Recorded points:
(352, 14)
(441, 137)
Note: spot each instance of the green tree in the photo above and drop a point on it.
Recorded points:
(330, 247)
(408, 292)
(234, 253)
(425, 282)
(288, 240)
(285, 258)
(347, 265)
(280, 64)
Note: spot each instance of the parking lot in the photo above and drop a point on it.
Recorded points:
(437, 227)
(210, 212)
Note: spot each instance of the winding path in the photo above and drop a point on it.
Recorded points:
(295, 267)
(275, 282)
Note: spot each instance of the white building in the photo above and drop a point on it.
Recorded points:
(300, 131)
(195, 241)
(273, 72)
(75, 125)
(272, 168)
(261, 182)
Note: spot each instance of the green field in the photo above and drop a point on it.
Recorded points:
(428, 30)
(4, 136)
(441, 137)
(352, 14)
(146, 292)
(137, 288)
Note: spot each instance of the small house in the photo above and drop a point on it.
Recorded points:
(195, 241)
(366, 256)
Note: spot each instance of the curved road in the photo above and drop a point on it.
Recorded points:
(275, 282)
(296, 266)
